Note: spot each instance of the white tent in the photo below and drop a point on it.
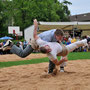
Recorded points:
(43, 26)
(64, 25)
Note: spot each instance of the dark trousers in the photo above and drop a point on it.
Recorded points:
(22, 53)
(51, 66)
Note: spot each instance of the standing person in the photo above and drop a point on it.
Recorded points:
(54, 35)
(69, 38)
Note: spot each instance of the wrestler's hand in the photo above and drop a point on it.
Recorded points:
(64, 59)
(55, 61)
(35, 29)
(35, 22)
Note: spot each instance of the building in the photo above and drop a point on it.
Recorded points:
(82, 18)
(28, 33)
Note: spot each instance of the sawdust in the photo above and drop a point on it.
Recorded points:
(30, 77)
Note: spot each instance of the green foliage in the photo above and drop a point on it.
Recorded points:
(22, 12)
(3, 30)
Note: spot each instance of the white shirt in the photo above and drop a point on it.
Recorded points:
(69, 39)
(56, 48)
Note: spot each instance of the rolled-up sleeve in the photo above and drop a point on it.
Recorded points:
(40, 42)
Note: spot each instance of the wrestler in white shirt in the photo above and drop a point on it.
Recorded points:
(52, 49)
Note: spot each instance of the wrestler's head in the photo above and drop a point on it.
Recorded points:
(59, 34)
(45, 49)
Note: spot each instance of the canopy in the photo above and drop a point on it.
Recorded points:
(5, 38)
(64, 25)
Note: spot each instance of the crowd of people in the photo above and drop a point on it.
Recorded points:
(1, 48)
(20, 44)
(66, 41)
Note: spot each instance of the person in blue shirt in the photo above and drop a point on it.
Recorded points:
(68, 42)
(25, 43)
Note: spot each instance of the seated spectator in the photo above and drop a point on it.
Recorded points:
(69, 38)
(1, 51)
(25, 44)
(85, 49)
(68, 42)
(19, 44)
(64, 42)
(89, 46)
(73, 40)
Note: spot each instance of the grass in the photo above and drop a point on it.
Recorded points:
(79, 55)
(71, 56)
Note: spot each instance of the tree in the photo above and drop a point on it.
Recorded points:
(3, 30)
(22, 12)
(65, 4)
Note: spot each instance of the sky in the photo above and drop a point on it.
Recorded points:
(79, 6)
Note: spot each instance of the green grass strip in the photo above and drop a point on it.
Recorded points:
(15, 63)
(79, 55)
(71, 56)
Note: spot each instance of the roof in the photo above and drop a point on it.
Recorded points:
(80, 17)
(64, 25)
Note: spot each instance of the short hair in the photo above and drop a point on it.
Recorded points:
(43, 50)
(59, 32)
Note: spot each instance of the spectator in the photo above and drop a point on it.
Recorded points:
(68, 42)
(69, 39)
(64, 42)
(19, 44)
(73, 40)
(25, 44)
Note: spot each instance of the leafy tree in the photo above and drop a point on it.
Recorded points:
(22, 12)
(3, 30)
(65, 4)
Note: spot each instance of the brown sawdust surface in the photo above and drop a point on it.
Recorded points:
(33, 76)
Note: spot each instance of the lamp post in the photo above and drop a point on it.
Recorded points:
(75, 28)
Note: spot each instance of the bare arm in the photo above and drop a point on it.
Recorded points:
(59, 62)
(35, 29)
